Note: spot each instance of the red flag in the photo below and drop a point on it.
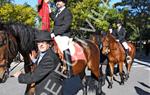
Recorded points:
(43, 11)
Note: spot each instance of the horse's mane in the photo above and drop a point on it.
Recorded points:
(111, 38)
(24, 34)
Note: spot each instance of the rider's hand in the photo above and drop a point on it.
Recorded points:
(52, 35)
(117, 40)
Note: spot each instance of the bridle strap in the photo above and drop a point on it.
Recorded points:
(3, 65)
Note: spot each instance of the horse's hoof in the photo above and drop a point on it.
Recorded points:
(110, 86)
(127, 76)
(121, 83)
(102, 93)
(103, 82)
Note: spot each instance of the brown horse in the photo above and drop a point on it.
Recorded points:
(116, 55)
(14, 38)
(6, 54)
(91, 61)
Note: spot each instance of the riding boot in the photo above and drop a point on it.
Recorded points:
(67, 57)
(128, 58)
(127, 52)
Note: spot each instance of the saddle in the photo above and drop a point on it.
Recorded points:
(76, 51)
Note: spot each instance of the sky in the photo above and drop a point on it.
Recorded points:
(33, 3)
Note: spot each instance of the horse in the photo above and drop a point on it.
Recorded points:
(6, 55)
(91, 51)
(14, 38)
(116, 55)
(23, 36)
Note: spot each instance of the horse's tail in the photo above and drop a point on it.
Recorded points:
(133, 49)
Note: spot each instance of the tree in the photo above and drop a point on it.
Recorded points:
(98, 12)
(2, 2)
(18, 13)
(138, 15)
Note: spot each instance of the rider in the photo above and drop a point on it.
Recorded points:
(61, 32)
(120, 35)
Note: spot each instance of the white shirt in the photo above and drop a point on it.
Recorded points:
(60, 10)
(40, 56)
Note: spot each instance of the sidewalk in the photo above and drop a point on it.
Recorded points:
(142, 57)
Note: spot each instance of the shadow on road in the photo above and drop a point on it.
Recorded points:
(145, 85)
(141, 91)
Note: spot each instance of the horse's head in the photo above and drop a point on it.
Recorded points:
(3, 57)
(105, 44)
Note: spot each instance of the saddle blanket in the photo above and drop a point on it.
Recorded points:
(64, 42)
(77, 52)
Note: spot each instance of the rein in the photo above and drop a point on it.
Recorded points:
(3, 65)
(108, 46)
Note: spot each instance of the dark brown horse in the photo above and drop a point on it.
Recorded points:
(91, 61)
(6, 53)
(116, 55)
(14, 38)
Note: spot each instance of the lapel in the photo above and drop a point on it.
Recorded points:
(59, 14)
(40, 57)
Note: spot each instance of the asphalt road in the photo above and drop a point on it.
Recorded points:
(138, 83)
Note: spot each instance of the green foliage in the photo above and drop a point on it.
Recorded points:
(18, 13)
(99, 13)
(138, 15)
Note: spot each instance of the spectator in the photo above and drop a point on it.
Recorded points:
(43, 76)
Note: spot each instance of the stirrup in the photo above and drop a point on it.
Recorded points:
(128, 59)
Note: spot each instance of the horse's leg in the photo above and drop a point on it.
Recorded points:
(30, 90)
(111, 65)
(84, 82)
(103, 73)
(128, 67)
(121, 73)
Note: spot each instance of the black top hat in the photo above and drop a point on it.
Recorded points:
(42, 36)
(65, 1)
(118, 22)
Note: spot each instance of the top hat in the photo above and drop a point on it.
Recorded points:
(118, 22)
(65, 1)
(42, 36)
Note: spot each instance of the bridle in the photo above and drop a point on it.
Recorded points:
(5, 42)
(107, 46)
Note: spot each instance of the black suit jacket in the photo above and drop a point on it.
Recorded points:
(62, 22)
(120, 35)
(44, 75)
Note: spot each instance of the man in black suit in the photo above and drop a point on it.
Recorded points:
(47, 82)
(61, 32)
(62, 19)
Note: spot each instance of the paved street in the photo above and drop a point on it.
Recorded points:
(138, 83)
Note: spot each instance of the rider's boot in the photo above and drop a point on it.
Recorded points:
(128, 57)
(67, 57)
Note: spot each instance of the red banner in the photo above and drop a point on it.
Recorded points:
(43, 11)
